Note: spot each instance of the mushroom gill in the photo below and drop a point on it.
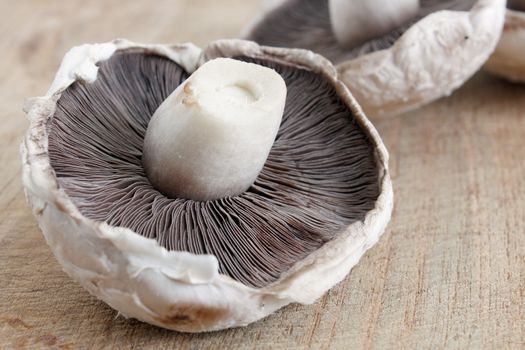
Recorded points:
(306, 24)
(320, 176)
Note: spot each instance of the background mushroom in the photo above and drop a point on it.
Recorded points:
(418, 53)
(508, 60)
(322, 199)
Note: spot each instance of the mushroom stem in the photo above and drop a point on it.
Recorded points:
(210, 138)
(518, 5)
(356, 21)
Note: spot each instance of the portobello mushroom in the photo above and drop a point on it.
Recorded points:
(322, 198)
(393, 59)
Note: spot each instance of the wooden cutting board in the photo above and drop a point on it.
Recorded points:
(448, 273)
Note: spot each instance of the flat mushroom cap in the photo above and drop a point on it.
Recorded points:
(426, 59)
(79, 195)
(508, 60)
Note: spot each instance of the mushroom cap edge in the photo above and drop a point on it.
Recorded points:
(180, 290)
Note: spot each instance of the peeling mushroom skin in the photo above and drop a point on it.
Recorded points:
(426, 57)
(508, 61)
(322, 199)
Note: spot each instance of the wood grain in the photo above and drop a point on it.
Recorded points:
(448, 273)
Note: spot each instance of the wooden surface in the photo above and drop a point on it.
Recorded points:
(448, 273)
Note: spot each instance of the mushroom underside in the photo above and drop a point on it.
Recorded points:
(306, 24)
(321, 174)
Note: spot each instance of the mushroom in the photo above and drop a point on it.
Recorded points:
(508, 61)
(394, 58)
(322, 198)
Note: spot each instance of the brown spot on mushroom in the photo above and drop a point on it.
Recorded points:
(188, 99)
(188, 89)
(194, 316)
(60, 206)
(40, 211)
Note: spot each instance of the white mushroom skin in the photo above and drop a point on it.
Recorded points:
(431, 59)
(210, 138)
(356, 21)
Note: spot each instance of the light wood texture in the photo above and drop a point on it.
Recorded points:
(448, 273)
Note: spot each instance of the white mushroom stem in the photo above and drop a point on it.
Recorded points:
(210, 138)
(356, 21)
